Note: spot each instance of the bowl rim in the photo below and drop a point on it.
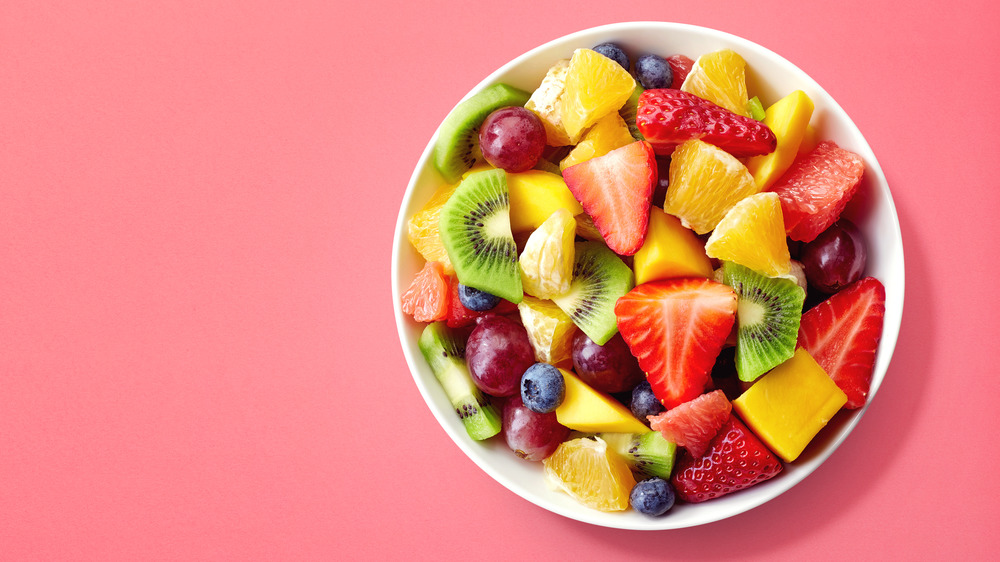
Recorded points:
(791, 477)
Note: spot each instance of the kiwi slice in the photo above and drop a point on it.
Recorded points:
(457, 144)
(768, 313)
(445, 353)
(600, 277)
(646, 453)
(630, 111)
(475, 231)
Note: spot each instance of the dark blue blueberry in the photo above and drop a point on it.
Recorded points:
(653, 496)
(653, 71)
(644, 402)
(613, 52)
(477, 300)
(542, 388)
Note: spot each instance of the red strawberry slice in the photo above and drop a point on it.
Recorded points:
(676, 329)
(693, 424)
(816, 188)
(668, 117)
(680, 66)
(616, 191)
(459, 316)
(735, 460)
(842, 335)
(426, 299)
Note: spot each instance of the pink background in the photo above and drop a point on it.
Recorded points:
(198, 358)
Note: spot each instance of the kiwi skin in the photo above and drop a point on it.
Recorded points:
(458, 136)
(630, 111)
(600, 278)
(475, 231)
(444, 351)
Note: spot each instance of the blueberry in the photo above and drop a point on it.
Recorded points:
(477, 300)
(542, 388)
(653, 496)
(644, 402)
(613, 52)
(654, 71)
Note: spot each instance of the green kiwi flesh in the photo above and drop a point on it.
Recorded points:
(649, 454)
(457, 145)
(768, 313)
(630, 111)
(600, 277)
(475, 231)
(445, 353)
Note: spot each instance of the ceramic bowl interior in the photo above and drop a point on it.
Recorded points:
(770, 77)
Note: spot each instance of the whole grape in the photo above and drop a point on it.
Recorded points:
(532, 436)
(498, 352)
(609, 368)
(836, 258)
(512, 138)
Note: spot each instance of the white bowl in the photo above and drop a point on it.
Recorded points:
(770, 77)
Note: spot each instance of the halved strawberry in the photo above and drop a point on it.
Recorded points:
(426, 299)
(676, 329)
(736, 459)
(459, 316)
(616, 190)
(694, 423)
(668, 117)
(842, 335)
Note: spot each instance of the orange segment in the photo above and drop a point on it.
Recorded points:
(423, 232)
(586, 469)
(544, 102)
(752, 234)
(610, 132)
(705, 182)
(720, 77)
(550, 331)
(595, 86)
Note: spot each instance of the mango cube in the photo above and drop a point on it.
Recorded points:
(788, 118)
(591, 411)
(789, 405)
(670, 250)
(534, 196)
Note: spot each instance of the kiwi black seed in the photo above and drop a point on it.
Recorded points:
(444, 351)
(630, 111)
(768, 314)
(600, 277)
(649, 454)
(457, 146)
(475, 231)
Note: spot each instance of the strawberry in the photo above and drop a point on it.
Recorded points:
(616, 190)
(667, 117)
(693, 424)
(459, 316)
(676, 329)
(842, 335)
(736, 459)
(681, 66)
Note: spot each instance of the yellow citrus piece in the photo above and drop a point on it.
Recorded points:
(752, 234)
(788, 406)
(788, 118)
(547, 259)
(705, 182)
(423, 232)
(586, 469)
(610, 132)
(534, 196)
(550, 331)
(595, 86)
(670, 250)
(720, 77)
(544, 102)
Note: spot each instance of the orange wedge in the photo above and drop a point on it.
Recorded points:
(752, 234)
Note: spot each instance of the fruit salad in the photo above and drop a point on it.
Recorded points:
(638, 276)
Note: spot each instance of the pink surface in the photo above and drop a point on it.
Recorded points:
(197, 351)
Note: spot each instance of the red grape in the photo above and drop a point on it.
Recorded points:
(497, 353)
(532, 436)
(609, 368)
(512, 138)
(836, 258)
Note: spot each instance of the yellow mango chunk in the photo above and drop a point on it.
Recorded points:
(788, 406)
(591, 411)
(534, 196)
(610, 132)
(788, 119)
(670, 250)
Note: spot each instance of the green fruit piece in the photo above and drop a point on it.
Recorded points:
(475, 231)
(768, 314)
(647, 453)
(457, 145)
(630, 111)
(755, 108)
(445, 353)
(600, 278)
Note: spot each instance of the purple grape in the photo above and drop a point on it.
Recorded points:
(836, 258)
(532, 436)
(512, 138)
(609, 368)
(498, 353)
